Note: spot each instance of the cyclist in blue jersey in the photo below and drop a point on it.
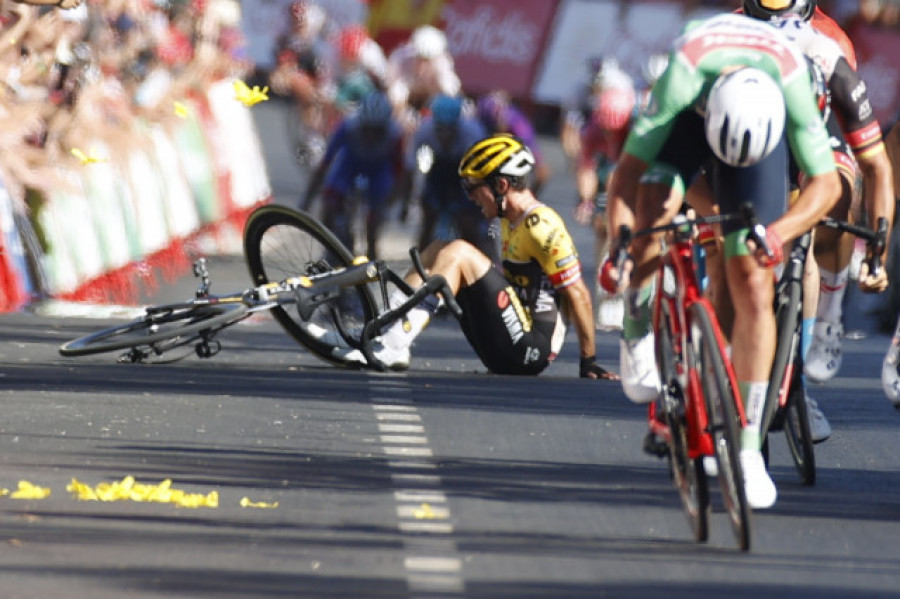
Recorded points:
(736, 93)
(437, 146)
(364, 158)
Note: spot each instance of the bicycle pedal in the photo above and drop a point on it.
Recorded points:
(655, 446)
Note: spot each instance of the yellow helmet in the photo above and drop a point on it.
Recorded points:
(499, 154)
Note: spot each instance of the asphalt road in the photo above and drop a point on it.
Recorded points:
(444, 481)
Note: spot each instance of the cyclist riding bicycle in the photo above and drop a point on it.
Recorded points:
(733, 88)
(514, 319)
(859, 152)
(437, 146)
(363, 156)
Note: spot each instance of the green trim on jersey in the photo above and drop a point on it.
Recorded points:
(710, 47)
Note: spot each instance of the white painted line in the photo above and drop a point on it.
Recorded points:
(426, 526)
(433, 564)
(412, 464)
(400, 439)
(399, 417)
(420, 496)
(422, 512)
(393, 408)
(401, 428)
(409, 451)
(418, 480)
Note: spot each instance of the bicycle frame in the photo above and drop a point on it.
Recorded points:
(679, 257)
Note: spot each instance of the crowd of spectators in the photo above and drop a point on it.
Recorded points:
(96, 72)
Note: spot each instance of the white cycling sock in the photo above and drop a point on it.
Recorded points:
(754, 394)
(831, 294)
(403, 332)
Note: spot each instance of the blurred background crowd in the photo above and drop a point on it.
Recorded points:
(106, 69)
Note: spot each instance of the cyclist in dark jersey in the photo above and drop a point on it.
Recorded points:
(515, 319)
(855, 136)
(734, 89)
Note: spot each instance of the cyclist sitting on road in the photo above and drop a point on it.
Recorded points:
(437, 146)
(512, 318)
(363, 156)
(733, 86)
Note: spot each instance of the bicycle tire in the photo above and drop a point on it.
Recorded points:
(724, 418)
(280, 242)
(174, 325)
(787, 321)
(688, 475)
(797, 431)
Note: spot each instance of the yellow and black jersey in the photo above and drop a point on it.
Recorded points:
(539, 256)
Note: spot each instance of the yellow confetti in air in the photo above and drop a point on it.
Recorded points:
(246, 502)
(181, 110)
(128, 489)
(86, 158)
(27, 490)
(247, 96)
(424, 513)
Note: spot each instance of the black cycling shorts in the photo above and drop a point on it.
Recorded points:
(506, 338)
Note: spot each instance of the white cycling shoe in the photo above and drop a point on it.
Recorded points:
(824, 357)
(819, 428)
(758, 485)
(393, 359)
(637, 369)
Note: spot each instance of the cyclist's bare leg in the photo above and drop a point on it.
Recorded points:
(458, 261)
(752, 292)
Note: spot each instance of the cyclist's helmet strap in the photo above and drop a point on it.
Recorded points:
(769, 9)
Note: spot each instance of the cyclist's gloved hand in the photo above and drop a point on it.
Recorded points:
(872, 283)
(589, 369)
(605, 276)
(774, 256)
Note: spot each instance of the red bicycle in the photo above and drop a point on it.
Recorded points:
(699, 412)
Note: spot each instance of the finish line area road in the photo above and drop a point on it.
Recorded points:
(443, 481)
(440, 482)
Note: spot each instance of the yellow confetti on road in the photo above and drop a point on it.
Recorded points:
(128, 489)
(246, 502)
(424, 513)
(27, 490)
(247, 96)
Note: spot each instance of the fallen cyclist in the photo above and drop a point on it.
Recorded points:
(514, 319)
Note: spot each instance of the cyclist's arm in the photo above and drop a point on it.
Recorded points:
(621, 194)
(578, 298)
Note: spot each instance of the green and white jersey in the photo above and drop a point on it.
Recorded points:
(710, 47)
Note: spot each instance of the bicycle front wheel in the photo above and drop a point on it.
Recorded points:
(279, 243)
(162, 328)
(688, 474)
(724, 417)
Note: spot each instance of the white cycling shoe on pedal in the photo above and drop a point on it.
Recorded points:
(819, 428)
(758, 485)
(637, 369)
(824, 357)
(393, 359)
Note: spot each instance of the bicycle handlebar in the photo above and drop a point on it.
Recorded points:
(875, 240)
(439, 282)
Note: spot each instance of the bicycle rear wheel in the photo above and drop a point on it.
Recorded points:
(161, 329)
(724, 417)
(688, 475)
(280, 242)
(796, 429)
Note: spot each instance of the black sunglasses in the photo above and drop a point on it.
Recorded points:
(469, 187)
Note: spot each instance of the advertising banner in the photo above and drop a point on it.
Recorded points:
(498, 44)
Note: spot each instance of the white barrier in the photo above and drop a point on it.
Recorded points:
(130, 218)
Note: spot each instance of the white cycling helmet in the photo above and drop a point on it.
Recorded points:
(744, 116)
(429, 42)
